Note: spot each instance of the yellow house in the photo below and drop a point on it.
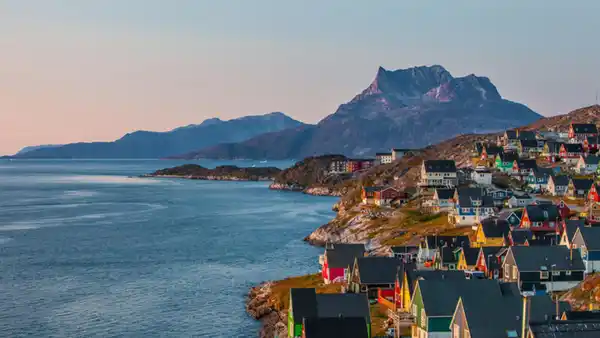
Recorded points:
(467, 258)
(491, 233)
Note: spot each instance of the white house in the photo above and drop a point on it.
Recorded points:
(482, 175)
(438, 173)
(557, 185)
(384, 158)
(443, 200)
(587, 165)
(399, 153)
(519, 201)
(586, 239)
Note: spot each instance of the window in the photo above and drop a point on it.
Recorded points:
(567, 273)
(514, 272)
(414, 310)
(423, 319)
(555, 273)
(543, 274)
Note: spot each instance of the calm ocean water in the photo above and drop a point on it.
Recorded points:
(86, 251)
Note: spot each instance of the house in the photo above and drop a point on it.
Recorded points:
(431, 244)
(519, 201)
(307, 304)
(541, 268)
(504, 161)
(438, 173)
(467, 258)
(434, 303)
(370, 274)
(563, 209)
(491, 232)
(500, 315)
(489, 151)
(587, 164)
(540, 218)
(530, 147)
(580, 315)
(368, 194)
(538, 179)
(593, 213)
(338, 259)
(335, 327)
(579, 187)
(593, 195)
(401, 198)
(489, 261)
(446, 258)
(557, 185)
(407, 253)
(590, 144)
(354, 165)
(523, 168)
(512, 217)
(384, 196)
(338, 166)
(400, 153)
(551, 151)
(407, 281)
(587, 240)
(472, 206)
(570, 152)
(482, 176)
(443, 200)
(383, 158)
(518, 236)
(578, 132)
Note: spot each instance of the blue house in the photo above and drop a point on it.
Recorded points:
(472, 205)
(538, 178)
(587, 240)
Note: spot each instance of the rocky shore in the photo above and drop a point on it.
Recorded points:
(259, 305)
(313, 190)
(220, 173)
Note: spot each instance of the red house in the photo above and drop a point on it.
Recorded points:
(590, 144)
(563, 209)
(570, 152)
(489, 261)
(384, 196)
(593, 195)
(540, 218)
(338, 258)
(353, 165)
(581, 131)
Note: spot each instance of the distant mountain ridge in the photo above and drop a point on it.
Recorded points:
(149, 144)
(408, 108)
(32, 148)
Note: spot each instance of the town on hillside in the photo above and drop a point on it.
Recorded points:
(521, 261)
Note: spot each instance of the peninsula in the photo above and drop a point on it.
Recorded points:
(220, 173)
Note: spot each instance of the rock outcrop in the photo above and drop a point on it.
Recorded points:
(220, 173)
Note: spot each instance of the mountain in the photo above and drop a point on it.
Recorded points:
(148, 144)
(32, 148)
(405, 108)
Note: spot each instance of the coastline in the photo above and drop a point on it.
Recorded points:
(211, 178)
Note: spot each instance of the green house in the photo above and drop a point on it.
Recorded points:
(504, 161)
(434, 302)
(307, 304)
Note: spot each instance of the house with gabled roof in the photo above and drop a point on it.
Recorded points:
(335, 327)
(443, 199)
(504, 161)
(491, 232)
(590, 144)
(383, 158)
(446, 258)
(570, 152)
(512, 217)
(371, 274)
(557, 185)
(519, 201)
(305, 303)
(587, 165)
(430, 245)
(579, 187)
(472, 205)
(542, 268)
(407, 281)
(578, 132)
(489, 261)
(569, 227)
(523, 167)
(587, 241)
(594, 193)
(551, 151)
(593, 213)
(438, 173)
(530, 147)
(408, 253)
(540, 218)
(500, 314)
(338, 259)
(538, 178)
(490, 151)
(467, 258)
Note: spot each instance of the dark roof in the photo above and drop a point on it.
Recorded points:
(571, 227)
(304, 303)
(446, 166)
(529, 143)
(350, 305)
(591, 159)
(448, 255)
(471, 255)
(542, 212)
(511, 134)
(495, 228)
(584, 128)
(404, 249)
(445, 194)
(582, 315)
(582, 183)
(467, 196)
(433, 242)
(343, 255)
(542, 172)
(566, 329)
(592, 139)
(549, 239)
(378, 270)
(335, 327)
(573, 147)
(491, 250)
(413, 275)
(591, 237)
(373, 189)
(526, 135)
(520, 236)
(527, 164)
(510, 156)
(505, 214)
(553, 146)
(535, 258)
(441, 296)
(561, 180)
(493, 150)
(383, 154)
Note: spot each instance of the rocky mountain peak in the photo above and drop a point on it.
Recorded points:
(470, 87)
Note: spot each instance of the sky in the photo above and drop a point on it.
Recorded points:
(93, 70)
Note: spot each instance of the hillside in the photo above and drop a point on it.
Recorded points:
(148, 144)
(406, 108)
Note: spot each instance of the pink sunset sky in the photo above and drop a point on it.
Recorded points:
(95, 70)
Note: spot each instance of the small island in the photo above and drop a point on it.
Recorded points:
(220, 173)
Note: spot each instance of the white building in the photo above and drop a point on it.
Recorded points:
(400, 153)
(587, 165)
(482, 175)
(438, 173)
(384, 158)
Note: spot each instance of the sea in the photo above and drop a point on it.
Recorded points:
(89, 249)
